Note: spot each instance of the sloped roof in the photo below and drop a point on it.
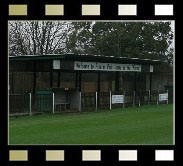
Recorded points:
(84, 57)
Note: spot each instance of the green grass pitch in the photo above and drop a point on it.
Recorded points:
(150, 124)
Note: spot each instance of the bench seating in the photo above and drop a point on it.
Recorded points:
(60, 105)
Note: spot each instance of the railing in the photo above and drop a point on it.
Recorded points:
(23, 104)
(28, 104)
(144, 97)
(103, 100)
(19, 104)
(42, 103)
(129, 99)
(88, 101)
(153, 97)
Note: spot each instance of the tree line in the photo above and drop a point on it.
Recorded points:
(148, 39)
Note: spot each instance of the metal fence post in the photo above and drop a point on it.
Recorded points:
(30, 104)
(96, 99)
(149, 102)
(80, 102)
(139, 97)
(53, 103)
(167, 96)
(134, 98)
(158, 97)
(124, 100)
(110, 100)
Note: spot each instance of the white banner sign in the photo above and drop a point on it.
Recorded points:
(106, 66)
(117, 99)
(151, 68)
(163, 96)
(56, 64)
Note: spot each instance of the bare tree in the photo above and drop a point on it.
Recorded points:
(37, 37)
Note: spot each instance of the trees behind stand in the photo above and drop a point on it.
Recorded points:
(37, 37)
(152, 40)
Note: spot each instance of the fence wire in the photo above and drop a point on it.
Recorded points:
(88, 101)
(19, 104)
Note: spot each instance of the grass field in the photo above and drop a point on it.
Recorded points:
(150, 124)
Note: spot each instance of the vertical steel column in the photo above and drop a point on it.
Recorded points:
(135, 88)
(34, 79)
(134, 98)
(124, 100)
(58, 79)
(158, 97)
(80, 102)
(167, 96)
(150, 85)
(149, 102)
(30, 107)
(96, 99)
(98, 86)
(12, 83)
(139, 97)
(135, 81)
(76, 78)
(51, 73)
(117, 81)
(110, 106)
(80, 77)
(53, 103)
